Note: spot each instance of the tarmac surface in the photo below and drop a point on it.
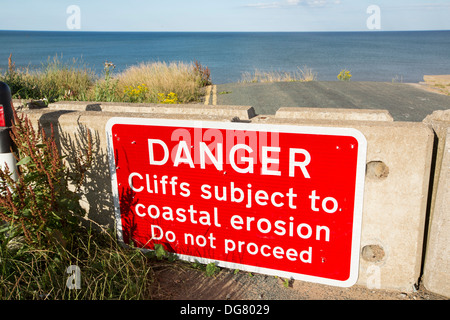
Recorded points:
(405, 102)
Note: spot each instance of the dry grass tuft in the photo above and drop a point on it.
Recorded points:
(161, 77)
(301, 75)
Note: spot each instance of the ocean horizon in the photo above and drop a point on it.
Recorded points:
(401, 56)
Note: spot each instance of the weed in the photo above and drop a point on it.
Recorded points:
(55, 81)
(160, 252)
(141, 83)
(344, 75)
(41, 235)
(301, 75)
(158, 77)
(203, 74)
(307, 74)
(38, 206)
(106, 89)
(211, 269)
(170, 98)
(136, 94)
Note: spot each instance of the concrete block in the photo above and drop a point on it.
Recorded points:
(242, 112)
(334, 114)
(395, 198)
(19, 104)
(437, 257)
(71, 132)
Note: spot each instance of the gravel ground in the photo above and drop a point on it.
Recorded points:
(179, 281)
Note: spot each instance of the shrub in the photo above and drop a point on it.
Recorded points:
(39, 207)
(136, 94)
(307, 74)
(203, 74)
(140, 83)
(106, 89)
(22, 84)
(170, 98)
(62, 81)
(55, 81)
(301, 75)
(344, 75)
(159, 77)
(40, 233)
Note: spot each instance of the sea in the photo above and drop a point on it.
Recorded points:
(404, 56)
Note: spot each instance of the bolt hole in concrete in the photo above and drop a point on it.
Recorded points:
(377, 170)
(373, 253)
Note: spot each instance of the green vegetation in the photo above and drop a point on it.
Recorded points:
(344, 75)
(41, 234)
(301, 75)
(147, 82)
(212, 269)
(443, 88)
(170, 98)
(56, 81)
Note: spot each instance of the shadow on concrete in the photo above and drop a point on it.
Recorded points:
(95, 191)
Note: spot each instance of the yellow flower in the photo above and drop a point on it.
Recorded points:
(171, 98)
(344, 75)
(136, 94)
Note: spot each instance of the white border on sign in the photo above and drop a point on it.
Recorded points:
(280, 128)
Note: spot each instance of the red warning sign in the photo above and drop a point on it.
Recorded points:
(274, 199)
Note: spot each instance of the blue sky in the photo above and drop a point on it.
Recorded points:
(225, 15)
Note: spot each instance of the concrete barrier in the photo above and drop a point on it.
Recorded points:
(242, 112)
(396, 190)
(334, 114)
(437, 258)
(395, 199)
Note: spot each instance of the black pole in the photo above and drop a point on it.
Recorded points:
(6, 112)
(6, 121)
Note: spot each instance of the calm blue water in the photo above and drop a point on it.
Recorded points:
(371, 56)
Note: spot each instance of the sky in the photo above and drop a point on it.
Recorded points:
(225, 15)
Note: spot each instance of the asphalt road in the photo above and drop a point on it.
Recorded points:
(405, 102)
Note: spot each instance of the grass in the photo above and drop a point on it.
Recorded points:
(107, 271)
(443, 88)
(54, 81)
(42, 235)
(145, 82)
(300, 75)
(161, 77)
